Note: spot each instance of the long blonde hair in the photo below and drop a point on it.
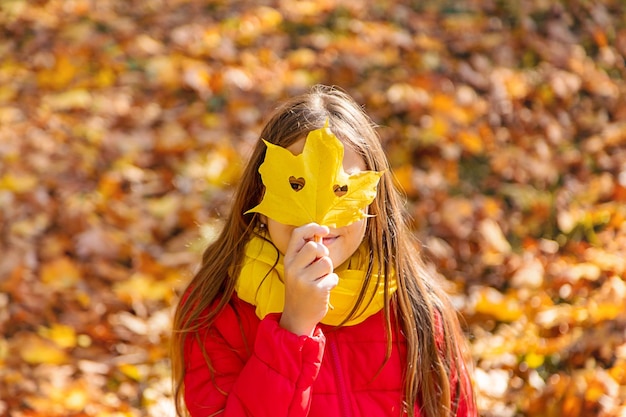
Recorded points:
(422, 308)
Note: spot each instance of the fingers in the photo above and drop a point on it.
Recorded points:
(306, 305)
(304, 234)
(308, 279)
(320, 267)
(310, 264)
(303, 250)
(309, 253)
(328, 282)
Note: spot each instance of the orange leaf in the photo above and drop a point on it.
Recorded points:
(59, 76)
(60, 273)
(471, 142)
(493, 303)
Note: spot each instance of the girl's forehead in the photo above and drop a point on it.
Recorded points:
(352, 161)
(297, 147)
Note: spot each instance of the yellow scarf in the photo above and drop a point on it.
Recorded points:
(260, 284)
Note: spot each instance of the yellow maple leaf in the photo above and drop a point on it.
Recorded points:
(312, 186)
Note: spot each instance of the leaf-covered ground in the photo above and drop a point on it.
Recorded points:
(123, 126)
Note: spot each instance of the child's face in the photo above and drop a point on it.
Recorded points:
(341, 242)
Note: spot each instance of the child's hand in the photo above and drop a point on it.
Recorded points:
(309, 278)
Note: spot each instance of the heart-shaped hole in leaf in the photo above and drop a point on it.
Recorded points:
(296, 183)
(340, 190)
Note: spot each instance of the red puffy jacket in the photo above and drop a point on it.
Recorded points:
(263, 370)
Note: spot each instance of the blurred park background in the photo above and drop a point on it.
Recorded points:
(124, 125)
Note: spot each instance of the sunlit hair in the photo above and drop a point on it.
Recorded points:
(422, 308)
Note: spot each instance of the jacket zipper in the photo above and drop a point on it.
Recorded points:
(340, 380)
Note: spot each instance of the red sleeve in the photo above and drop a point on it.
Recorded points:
(274, 380)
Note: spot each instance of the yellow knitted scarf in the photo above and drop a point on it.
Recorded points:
(260, 284)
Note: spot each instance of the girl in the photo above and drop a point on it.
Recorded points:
(256, 332)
